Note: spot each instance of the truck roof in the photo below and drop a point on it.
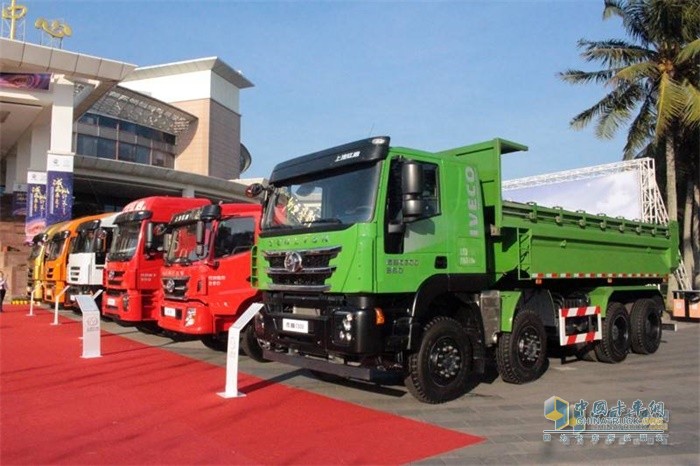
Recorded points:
(160, 208)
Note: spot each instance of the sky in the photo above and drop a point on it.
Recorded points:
(432, 75)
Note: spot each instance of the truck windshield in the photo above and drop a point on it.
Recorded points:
(125, 241)
(54, 247)
(84, 242)
(36, 250)
(327, 198)
(183, 244)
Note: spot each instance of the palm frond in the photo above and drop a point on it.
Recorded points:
(691, 113)
(613, 52)
(613, 8)
(638, 71)
(618, 111)
(586, 77)
(641, 131)
(671, 103)
(610, 111)
(689, 51)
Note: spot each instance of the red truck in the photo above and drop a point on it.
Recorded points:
(132, 273)
(206, 274)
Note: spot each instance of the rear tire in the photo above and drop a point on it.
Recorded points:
(440, 370)
(615, 343)
(645, 323)
(522, 353)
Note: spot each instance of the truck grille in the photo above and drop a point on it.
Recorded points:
(74, 274)
(304, 270)
(115, 278)
(175, 287)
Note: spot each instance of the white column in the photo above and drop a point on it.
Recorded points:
(62, 117)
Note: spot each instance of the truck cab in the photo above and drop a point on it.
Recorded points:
(57, 250)
(132, 273)
(206, 273)
(88, 254)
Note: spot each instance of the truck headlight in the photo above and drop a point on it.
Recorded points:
(190, 316)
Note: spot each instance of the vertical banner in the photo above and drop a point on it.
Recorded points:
(19, 200)
(59, 188)
(35, 221)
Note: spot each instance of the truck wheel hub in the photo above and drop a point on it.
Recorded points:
(529, 346)
(445, 359)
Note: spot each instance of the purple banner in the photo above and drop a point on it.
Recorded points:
(35, 222)
(25, 81)
(59, 190)
(19, 203)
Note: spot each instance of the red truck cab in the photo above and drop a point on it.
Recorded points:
(206, 274)
(132, 272)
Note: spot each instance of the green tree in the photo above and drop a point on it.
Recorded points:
(653, 77)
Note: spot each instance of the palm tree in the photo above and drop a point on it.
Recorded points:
(654, 78)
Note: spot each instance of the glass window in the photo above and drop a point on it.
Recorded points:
(107, 122)
(234, 236)
(127, 127)
(86, 145)
(89, 119)
(168, 138)
(106, 148)
(127, 152)
(143, 155)
(163, 159)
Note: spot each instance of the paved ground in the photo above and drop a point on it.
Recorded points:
(511, 417)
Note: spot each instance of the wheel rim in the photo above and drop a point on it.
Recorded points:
(445, 361)
(529, 347)
(620, 333)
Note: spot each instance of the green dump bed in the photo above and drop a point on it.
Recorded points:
(537, 242)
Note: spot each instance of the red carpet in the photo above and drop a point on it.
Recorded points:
(143, 405)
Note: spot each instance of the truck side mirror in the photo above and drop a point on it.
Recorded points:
(149, 236)
(199, 238)
(412, 185)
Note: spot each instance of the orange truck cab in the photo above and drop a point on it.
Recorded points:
(206, 274)
(132, 271)
(57, 249)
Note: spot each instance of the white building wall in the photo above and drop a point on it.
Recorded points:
(188, 86)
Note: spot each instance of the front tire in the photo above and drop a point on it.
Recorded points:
(615, 342)
(439, 371)
(251, 345)
(216, 342)
(645, 323)
(522, 353)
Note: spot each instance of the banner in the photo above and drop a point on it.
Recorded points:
(35, 222)
(19, 202)
(59, 188)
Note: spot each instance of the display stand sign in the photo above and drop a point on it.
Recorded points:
(234, 334)
(91, 326)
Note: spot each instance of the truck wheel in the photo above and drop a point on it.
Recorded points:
(522, 354)
(216, 342)
(438, 372)
(615, 344)
(251, 345)
(645, 320)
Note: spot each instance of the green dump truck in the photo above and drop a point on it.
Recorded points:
(379, 261)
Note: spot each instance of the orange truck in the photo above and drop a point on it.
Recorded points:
(57, 250)
(206, 274)
(132, 272)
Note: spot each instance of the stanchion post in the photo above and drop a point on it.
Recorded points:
(55, 310)
(234, 333)
(31, 298)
